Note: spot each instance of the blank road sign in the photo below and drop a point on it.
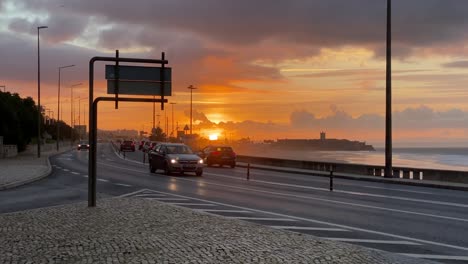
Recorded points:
(138, 73)
(139, 88)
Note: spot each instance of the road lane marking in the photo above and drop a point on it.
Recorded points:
(430, 256)
(76, 173)
(222, 211)
(194, 204)
(86, 176)
(310, 228)
(395, 189)
(103, 180)
(165, 199)
(66, 170)
(132, 193)
(261, 218)
(302, 196)
(149, 194)
(124, 185)
(348, 192)
(373, 241)
(423, 241)
(58, 167)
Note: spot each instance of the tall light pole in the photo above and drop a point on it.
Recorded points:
(71, 113)
(58, 103)
(79, 112)
(39, 94)
(172, 132)
(191, 90)
(388, 111)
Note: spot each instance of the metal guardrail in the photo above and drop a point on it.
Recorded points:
(361, 169)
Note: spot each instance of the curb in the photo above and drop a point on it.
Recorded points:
(365, 178)
(37, 178)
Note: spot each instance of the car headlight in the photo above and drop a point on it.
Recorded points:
(200, 161)
(173, 161)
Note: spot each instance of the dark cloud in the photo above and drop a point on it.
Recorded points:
(316, 23)
(456, 64)
(422, 117)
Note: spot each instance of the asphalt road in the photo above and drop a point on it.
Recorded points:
(416, 221)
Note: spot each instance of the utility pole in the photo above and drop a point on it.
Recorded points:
(388, 112)
(191, 90)
(172, 132)
(39, 94)
(58, 104)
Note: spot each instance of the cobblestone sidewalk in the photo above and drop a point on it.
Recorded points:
(131, 230)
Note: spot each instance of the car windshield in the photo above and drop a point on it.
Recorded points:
(179, 150)
(83, 142)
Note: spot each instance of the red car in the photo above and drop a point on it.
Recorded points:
(221, 155)
(127, 145)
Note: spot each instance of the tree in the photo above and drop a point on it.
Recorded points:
(157, 135)
(19, 119)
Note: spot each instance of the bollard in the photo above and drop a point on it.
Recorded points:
(248, 171)
(331, 181)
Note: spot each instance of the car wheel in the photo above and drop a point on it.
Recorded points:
(167, 171)
(199, 173)
(208, 163)
(233, 165)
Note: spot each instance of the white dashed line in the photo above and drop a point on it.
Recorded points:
(86, 176)
(76, 173)
(102, 180)
(121, 184)
(66, 170)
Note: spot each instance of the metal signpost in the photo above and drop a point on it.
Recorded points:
(134, 80)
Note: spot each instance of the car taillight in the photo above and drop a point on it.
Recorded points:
(216, 153)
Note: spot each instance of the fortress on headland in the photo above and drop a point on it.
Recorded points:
(322, 144)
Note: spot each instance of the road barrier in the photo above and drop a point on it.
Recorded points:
(361, 169)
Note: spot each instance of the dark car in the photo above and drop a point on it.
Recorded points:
(174, 157)
(127, 145)
(221, 155)
(83, 145)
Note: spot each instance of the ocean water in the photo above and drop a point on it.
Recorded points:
(430, 158)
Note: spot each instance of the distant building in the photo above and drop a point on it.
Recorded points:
(322, 136)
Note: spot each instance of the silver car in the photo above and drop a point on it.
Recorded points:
(174, 157)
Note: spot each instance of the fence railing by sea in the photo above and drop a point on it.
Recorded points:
(361, 169)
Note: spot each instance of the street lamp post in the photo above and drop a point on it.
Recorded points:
(58, 103)
(388, 112)
(79, 112)
(71, 113)
(172, 132)
(39, 94)
(191, 90)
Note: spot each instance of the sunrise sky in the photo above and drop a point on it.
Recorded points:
(263, 69)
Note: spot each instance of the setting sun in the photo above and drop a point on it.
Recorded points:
(213, 137)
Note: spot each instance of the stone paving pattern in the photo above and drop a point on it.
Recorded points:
(135, 230)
